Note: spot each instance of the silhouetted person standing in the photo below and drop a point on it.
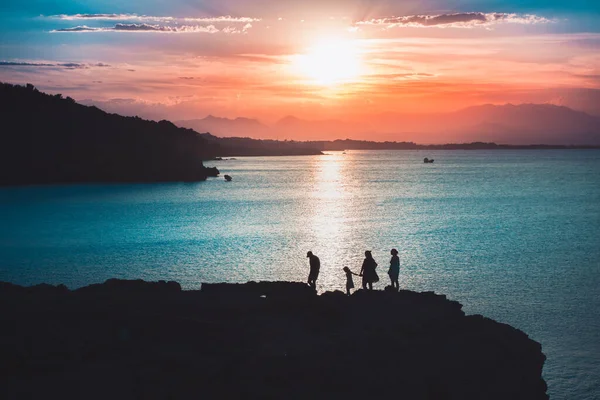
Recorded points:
(369, 275)
(315, 266)
(394, 271)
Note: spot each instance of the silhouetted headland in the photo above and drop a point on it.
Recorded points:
(50, 139)
(136, 339)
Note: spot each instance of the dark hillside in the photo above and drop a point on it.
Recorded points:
(49, 139)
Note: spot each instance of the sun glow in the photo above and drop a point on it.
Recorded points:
(330, 62)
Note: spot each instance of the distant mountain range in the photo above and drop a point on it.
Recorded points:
(224, 127)
(508, 124)
(48, 139)
(290, 128)
(523, 124)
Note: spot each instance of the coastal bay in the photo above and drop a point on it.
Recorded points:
(511, 235)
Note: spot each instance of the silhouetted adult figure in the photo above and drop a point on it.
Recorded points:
(315, 266)
(369, 275)
(394, 271)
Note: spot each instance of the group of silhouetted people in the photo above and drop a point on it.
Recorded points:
(368, 271)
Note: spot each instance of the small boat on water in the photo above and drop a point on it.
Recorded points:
(228, 178)
(428, 161)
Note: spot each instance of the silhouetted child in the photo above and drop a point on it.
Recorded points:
(349, 281)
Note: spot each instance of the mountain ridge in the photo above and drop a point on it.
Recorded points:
(227, 127)
(515, 124)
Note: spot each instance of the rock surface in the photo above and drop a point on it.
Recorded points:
(142, 340)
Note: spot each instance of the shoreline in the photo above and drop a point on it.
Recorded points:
(499, 148)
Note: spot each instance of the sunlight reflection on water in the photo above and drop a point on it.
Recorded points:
(330, 205)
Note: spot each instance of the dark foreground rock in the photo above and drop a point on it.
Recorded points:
(141, 340)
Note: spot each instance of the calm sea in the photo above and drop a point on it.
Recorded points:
(513, 235)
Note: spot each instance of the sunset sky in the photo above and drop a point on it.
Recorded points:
(183, 59)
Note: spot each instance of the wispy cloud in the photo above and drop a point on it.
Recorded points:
(83, 28)
(152, 28)
(224, 19)
(150, 18)
(54, 65)
(161, 24)
(102, 17)
(457, 20)
(235, 30)
(24, 64)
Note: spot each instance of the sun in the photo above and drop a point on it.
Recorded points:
(330, 62)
